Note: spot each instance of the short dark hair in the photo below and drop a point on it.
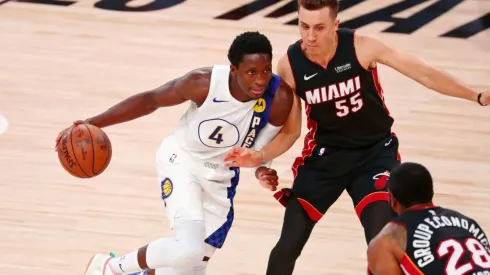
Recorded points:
(410, 184)
(318, 4)
(248, 43)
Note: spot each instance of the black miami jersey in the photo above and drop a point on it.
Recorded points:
(443, 241)
(344, 102)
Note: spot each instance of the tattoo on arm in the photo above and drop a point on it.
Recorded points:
(397, 233)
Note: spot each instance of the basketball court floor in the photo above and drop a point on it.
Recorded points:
(64, 60)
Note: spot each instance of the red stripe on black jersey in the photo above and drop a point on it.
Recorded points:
(408, 267)
(377, 84)
(309, 143)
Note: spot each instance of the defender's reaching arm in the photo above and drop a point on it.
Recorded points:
(371, 50)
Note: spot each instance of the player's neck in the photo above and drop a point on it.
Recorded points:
(420, 206)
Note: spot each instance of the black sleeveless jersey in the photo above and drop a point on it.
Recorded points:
(344, 102)
(443, 241)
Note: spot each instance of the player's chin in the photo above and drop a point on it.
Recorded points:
(313, 48)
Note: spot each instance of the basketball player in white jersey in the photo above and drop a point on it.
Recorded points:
(242, 104)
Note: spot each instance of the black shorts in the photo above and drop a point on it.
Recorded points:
(326, 173)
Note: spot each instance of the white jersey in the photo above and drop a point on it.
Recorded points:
(207, 132)
(192, 178)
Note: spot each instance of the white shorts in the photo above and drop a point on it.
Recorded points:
(187, 193)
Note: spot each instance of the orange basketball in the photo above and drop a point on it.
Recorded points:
(85, 151)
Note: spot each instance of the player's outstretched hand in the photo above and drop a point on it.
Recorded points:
(243, 157)
(58, 138)
(485, 98)
(267, 178)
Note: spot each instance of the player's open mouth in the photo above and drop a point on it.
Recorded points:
(257, 91)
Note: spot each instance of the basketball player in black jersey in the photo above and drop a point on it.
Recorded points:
(350, 145)
(424, 238)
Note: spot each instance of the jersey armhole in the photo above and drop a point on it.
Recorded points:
(408, 266)
(292, 74)
(399, 223)
(291, 50)
(213, 82)
(357, 57)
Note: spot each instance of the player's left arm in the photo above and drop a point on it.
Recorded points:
(371, 50)
(290, 131)
(386, 250)
(280, 108)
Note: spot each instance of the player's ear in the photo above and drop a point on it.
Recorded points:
(336, 24)
(233, 69)
(391, 201)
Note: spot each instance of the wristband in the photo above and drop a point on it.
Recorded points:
(479, 99)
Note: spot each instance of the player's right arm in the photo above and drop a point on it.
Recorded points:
(386, 250)
(191, 86)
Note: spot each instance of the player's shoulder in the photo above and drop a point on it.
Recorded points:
(448, 212)
(293, 51)
(367, 42)
(285, 71)
(284, 92)
(393, 227)
(201, 74)
(392, 237)
(393, 233)
(283, 61)
(198, 80)
(294, 45)
(282, 103)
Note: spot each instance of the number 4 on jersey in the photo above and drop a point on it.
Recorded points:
(216, 135)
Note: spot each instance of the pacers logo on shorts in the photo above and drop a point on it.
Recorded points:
(260, 105)
(167, 188)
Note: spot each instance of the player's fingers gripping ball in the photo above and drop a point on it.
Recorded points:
(84, 150)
